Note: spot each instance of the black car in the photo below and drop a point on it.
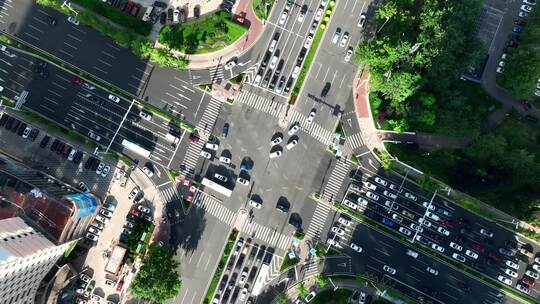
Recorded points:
(266, 58)
(170, 14)
(235, 294)
(301, 56)
(531, 118)
(266, 78)
(288, 85)
(33, 134)
(77, 157)
(163, 18)
(51, 20)
(15, 126)
(282, 207)
(325, 90)
(281, 83)
(21, 129)
(55, 144)
(3, 120)
(88, 163)
(122, 4)
(223, 283)
(9, 122)
(280, 67)
(44, 141)
(160, 4)
(232, 282)
(273, 82)
(225, 130)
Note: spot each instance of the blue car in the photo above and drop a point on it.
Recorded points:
(517, 29)
(388, 222)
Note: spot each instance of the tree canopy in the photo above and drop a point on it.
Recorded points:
(157, 279)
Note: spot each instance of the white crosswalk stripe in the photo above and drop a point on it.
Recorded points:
(317, 221)
(275, 264)
(261, 103)
(266, 234)
(310, 268)
(216, 73)
(214, 207)
(331, 190)
(169, 194)
(250, 73)
(355, 141)
(204, 127)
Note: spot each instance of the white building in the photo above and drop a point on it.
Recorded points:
(26, 256)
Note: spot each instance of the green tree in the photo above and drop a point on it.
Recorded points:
(281, 298)
(302, 290)
(157, 279)
(322, 280)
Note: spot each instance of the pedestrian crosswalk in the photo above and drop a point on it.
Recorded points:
(250, 73)
(280, 110)
(310, 268)
(266, 234)
(334, 183)
(318, 220)
(216, 73)
(214, 207)
(354, 141)
(188, 165)
(169, 194)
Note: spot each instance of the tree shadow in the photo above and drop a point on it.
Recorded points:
(188, 234)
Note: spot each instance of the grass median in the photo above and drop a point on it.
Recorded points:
(221, 265)
(262, 8)
(425, 250)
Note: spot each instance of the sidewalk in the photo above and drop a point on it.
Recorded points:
(424, 139)
(256, 28)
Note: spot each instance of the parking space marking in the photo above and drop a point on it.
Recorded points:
(36, 29)
(31, 36)
(105, 63)
(108, 54)
(71, 46)
(40, 21)
(95, 67)
(74, 38)
(66, 53)
(50, 100)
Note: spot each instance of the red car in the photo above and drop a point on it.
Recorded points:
(189, 198)
(494, 256)
(520, 22)
(134, 212)
(120, 285)
(76, 80)
(448, 223)
(529, 282)
(477, 247)
(194, 137)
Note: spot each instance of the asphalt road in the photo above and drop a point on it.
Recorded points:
(412, 276)
(462, 227)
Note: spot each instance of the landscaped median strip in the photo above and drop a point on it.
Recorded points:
(444, 259)
(221, 265)
(311, 54)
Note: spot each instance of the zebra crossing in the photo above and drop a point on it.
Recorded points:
(214, 207)
(216, 73)
(277, 109)
(250, 73)
(317, 221)
(188, 165)
(331, 190)
(275, 265)
(355, 141)
(310, 268)
(169, 194)
(266, 234)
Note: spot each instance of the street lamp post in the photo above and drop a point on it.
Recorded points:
(387, 18)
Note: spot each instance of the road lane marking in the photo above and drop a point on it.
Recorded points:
(104, 72)
(109, 55)
(56, 84)
(74, 38)
(50, 100)
(31, 36)
(66, 53)
(105, 63)
(54, 93)
(35, 28)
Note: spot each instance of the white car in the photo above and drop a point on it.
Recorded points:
(255, 204)
(511, 264)
(310, 296)
(500, 70)
(532, 274)
(318, 14)
(206, 154)
(257, 80)
(291, 144)
(100, 168)
(410, 196)
(523, 14)
(133, 193)
(381, 181)
(26, 132)
(105, 213)
(72, 154)
(362, 20)
(275, 154)
(83, 187)
(348, 203)
(536, 267)
(412, 253)
(85, 278)
(428, 206)
(486, 232)
(276, 141)
(225, 159)
(94, 136)
(311, 116)
(94, 230)
(102, 219)
(437, 247)
(456, 246)
(472, 254)
(416, 227)
(143, 209)
(505, 280)
(390, 194)
(424, 222)
(348, 54)
(389, 269)
(459, 257)
(114, 98)
(293, 129)
(526, 8)
(523, 289)
(344, 39)
(502, 63)
(145, 115)
(530, 2)
(147, 171)
(309, 40)
(283, 18)
(356, 248)
(221, 177)
(73, 20)
(397, 218)
(432, 271)
(362, 202)
(105, 171)
(242, 181)
(338, 231)
(432, 215)
(389, 204)
(511, 273)
(231, 64)
(369, 185)
(372, 196)
(243, 294)
(345, 222)
(212, 146)
(441, 230)
(405, 231)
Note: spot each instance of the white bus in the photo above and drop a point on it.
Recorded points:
(135, 148)
(261, 280)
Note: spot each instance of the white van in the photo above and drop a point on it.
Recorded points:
(147, 13)
(295, 72)
(272, 46)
